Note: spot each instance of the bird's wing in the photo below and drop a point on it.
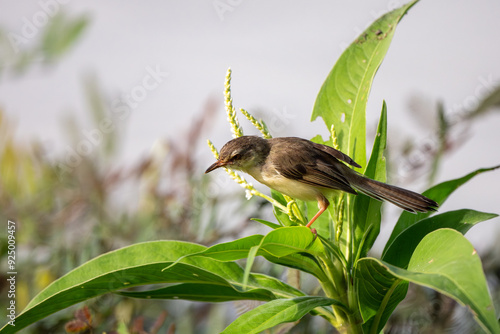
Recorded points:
(318, 166)
(317, 174)
(336, 154)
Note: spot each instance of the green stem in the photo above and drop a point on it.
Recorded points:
(353, 324)
(334, 250)
(338, 287)
(362, 243)
(353, 301)
(326, 314)
(270, 199)
(349, 235)
(352, 327)
(340, 313)
(329, 285)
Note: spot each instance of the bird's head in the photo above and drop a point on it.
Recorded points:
(242, 153)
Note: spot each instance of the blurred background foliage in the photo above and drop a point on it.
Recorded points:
(69, 209)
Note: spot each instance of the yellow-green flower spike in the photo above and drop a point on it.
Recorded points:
(294, 212)
(231, 112)
(292, 208)
(213, 149)
(335, 145)
(259, 125)
(340, 218)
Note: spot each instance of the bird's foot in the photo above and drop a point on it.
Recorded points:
(313, 230)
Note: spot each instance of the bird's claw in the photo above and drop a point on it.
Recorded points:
(313, 230)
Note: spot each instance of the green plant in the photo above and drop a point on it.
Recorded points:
(358, 293)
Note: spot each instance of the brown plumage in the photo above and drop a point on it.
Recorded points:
(309, 171)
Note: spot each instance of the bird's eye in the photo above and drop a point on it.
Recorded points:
(236, 157)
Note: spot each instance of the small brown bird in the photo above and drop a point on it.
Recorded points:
(308, 171)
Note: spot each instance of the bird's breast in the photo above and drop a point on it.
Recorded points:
(293, 188)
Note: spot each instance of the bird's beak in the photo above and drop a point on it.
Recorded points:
(215, 165)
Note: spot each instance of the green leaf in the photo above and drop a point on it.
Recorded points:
(201, 292)
(276, 312)
(290, 247)
(280, 242)
(367, 215)
(289, 240)
(378, 290)
(401, 249)
(60, 34)
(445, 261)
(439, 193)
(341, 103)
(489, 102)
(250, 259)
(267, 223)
(143, 264)
(452, 267)
(342, 99)
(232, 250)
(302, 261)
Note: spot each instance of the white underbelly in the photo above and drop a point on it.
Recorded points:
(292, 188)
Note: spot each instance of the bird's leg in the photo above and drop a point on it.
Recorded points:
(322, 205)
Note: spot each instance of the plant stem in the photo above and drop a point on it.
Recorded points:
(349, 235)
(338, 287)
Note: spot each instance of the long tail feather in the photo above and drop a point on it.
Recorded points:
(405, 199)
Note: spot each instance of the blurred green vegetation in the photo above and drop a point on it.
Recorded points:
(67, 215)
(70, 209)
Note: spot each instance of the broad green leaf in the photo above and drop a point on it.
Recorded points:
(341, 103)
(367, 215)
(276, 312)
(439, 193)
(342, 99)
(303, 262)
(289, 240)
(290, 254)
(401, 249)
(232, 250)
(295, 247)
(445, 261)
(141, 264)
(201, 292)
(376, 288)
(280, 242)
(453, 267)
